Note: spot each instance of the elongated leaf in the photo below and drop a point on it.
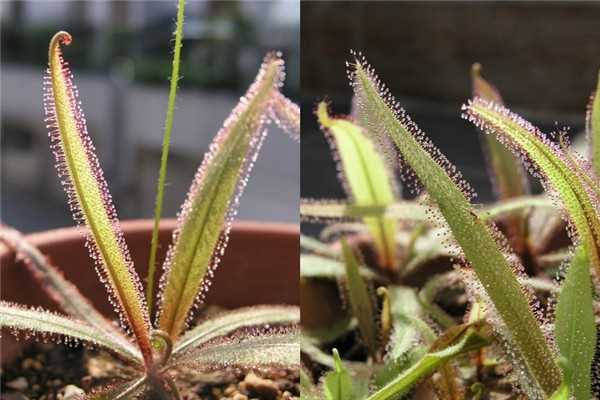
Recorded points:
(575, 326)
(46, 324)
(205, 220)
(367, 180)
(360, 299)
(312, 266)
(324, 210)
(508, 175)
(277, 348)
(118, 391)
(470, 340)
(337, 384)
(286, 114)
(478, 241)
(63, 292)
(554, 165)
(232, 321)
(334, 210)
(593, 126)
(88, 194)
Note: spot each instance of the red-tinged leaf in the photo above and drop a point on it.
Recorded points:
(88, 195)
(205, 219)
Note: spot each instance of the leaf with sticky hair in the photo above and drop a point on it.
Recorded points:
(229, 322)
(63, 292)
(576, 189)
(88, 193)
(593, 127)
(477, 239)
(367, 179)
(47, 324)
(205, 219)
(263, 348)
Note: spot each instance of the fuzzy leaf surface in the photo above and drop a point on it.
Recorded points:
(249, 350)
(326, 210)
(360, 299)
(118, 391)
(594, 128)
(477, 240)
(204, 222)
(557, 168)
(286, 114)
(88, 193)
(47, 324)
(368, 180)
(228, 323)
(63, 292)
(575, 326)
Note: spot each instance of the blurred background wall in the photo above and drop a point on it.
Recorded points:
(121, 59)
(543, 56)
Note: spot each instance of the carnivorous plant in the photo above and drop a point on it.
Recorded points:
(471, 290)
(250, 337)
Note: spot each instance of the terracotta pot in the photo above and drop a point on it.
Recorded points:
(260, 266)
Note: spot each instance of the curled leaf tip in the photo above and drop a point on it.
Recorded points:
(60, 37)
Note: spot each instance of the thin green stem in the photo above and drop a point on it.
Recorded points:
(165, 155)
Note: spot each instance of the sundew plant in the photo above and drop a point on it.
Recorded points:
(252, 337)
(443, 298)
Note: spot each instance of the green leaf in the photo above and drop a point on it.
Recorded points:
(205, 219)
(508, 175)
(229, 322)
(479, 242)
(324, 210)
(119, 391)
(593, 126)
(279, 347)
(470, 340)
(557, 168)
(46, 324)
(564, 390)
(337, 384)
(314, 267)
(63, 292)
(360, 299)
(88, 194)
(368, 181)
(327, 210)
(286, 114)
(165, 154)
(410, 332)
(575, 326)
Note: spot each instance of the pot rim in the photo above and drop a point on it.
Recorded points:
(75, 233)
